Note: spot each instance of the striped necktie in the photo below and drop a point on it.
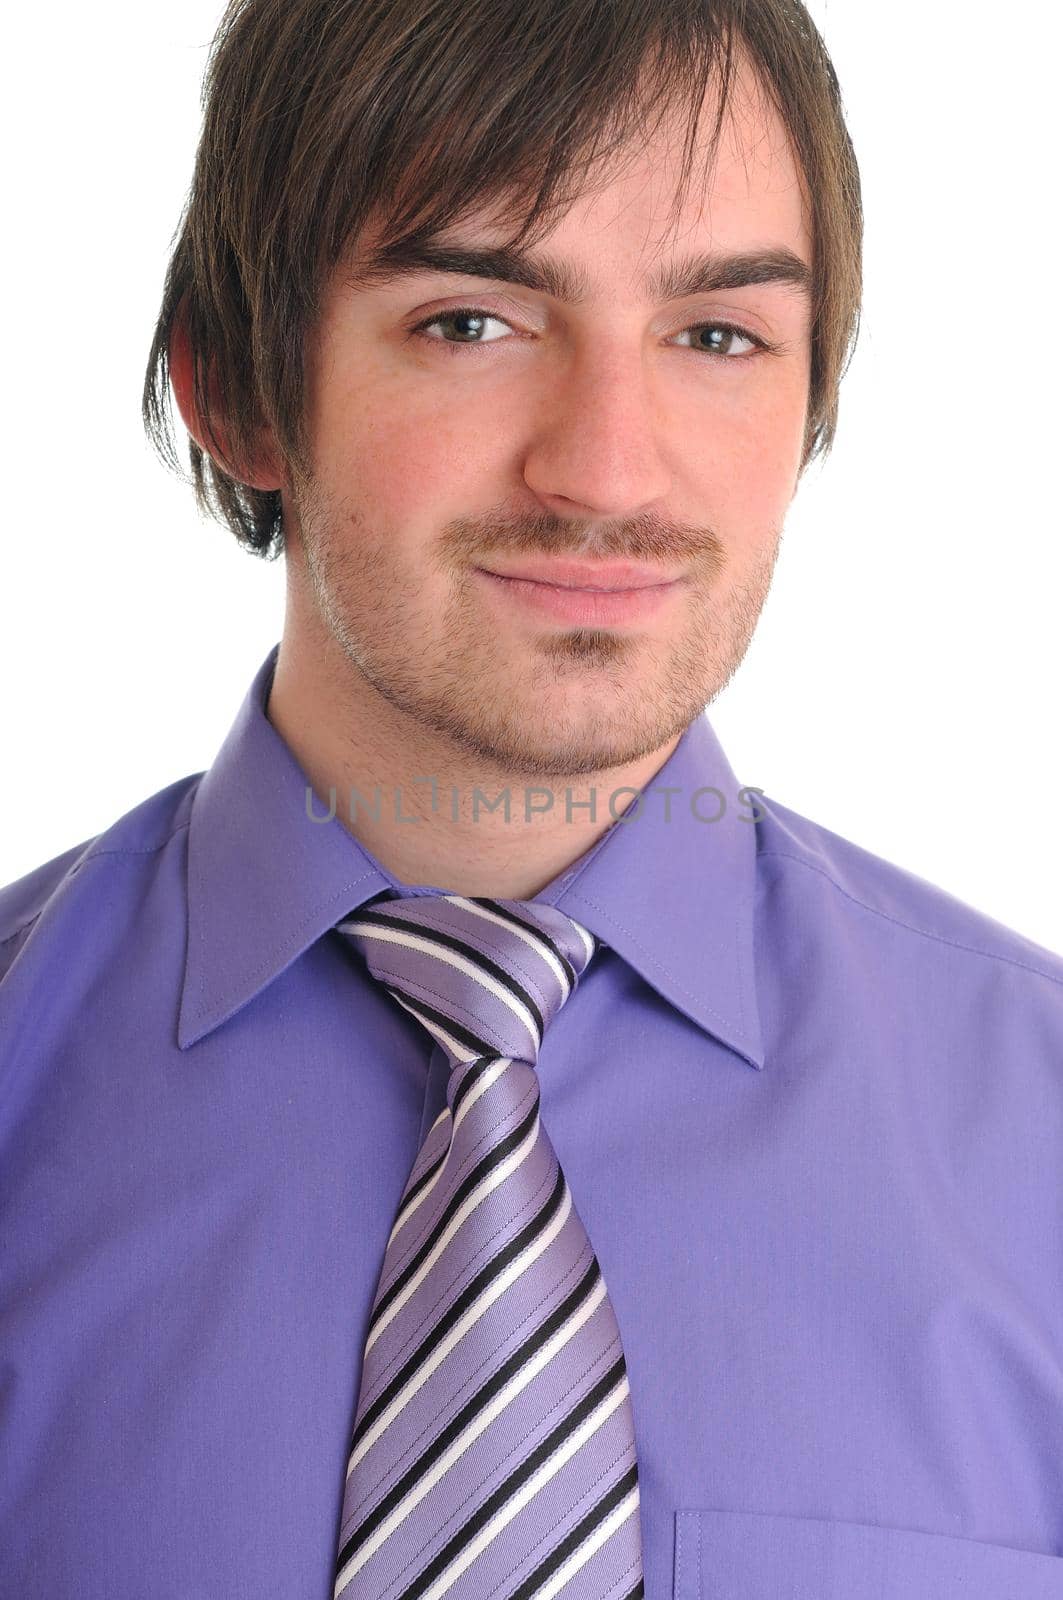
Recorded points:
(493, 1452)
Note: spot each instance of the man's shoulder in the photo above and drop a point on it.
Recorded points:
(126, 848)
(863, 884)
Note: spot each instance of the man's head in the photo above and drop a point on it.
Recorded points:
(593, 400)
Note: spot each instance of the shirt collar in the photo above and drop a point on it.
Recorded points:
(670, 890)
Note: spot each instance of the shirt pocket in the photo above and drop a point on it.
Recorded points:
(745, 1555)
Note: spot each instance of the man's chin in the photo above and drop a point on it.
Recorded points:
(570, 750)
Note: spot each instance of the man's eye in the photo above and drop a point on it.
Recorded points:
(730, 335)
(465, 315)
(478, 318)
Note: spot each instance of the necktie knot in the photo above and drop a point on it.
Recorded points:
(484, 976)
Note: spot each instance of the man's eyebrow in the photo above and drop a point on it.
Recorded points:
(705, 273)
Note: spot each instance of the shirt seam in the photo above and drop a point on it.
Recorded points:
(927, 933)
(148, 850)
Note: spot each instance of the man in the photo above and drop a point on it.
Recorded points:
(464, 1143)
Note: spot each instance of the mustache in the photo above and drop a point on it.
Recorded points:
(635, 539)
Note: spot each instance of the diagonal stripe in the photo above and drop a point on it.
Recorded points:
(505, 1158)
(530, 920)
(421, 1186)
(492, 1399)
(584, 1419)
(456, 953)
(613, 1509)
(533, 936)
(431, 1159)
(516, 1258)
(484, 1076)
(458, 1042)
(500, 1508)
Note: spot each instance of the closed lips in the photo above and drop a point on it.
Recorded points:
(593, 579)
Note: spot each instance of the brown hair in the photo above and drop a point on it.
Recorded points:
(322, 114)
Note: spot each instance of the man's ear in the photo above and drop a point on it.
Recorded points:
(263, 473)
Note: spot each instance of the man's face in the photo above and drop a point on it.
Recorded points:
(629, 426)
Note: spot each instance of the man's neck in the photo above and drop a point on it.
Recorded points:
(431, 813)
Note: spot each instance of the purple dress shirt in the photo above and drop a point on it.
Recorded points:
(810, 1107)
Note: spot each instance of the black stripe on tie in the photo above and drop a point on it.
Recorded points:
(581, 1531)
(477, 1403)
(465, 1036)
(517, 1478)
(451, 942)
(422, 1183)
(493, 1159)
(478, 1285)
(471, 1078)
(540, 933)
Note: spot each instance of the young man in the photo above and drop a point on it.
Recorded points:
(463, 1144)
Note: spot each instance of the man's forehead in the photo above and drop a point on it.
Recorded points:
(747, 190)
(749, 237)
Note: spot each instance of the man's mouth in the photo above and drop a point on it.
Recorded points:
(618, 577)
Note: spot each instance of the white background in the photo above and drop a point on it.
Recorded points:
(903, 684)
